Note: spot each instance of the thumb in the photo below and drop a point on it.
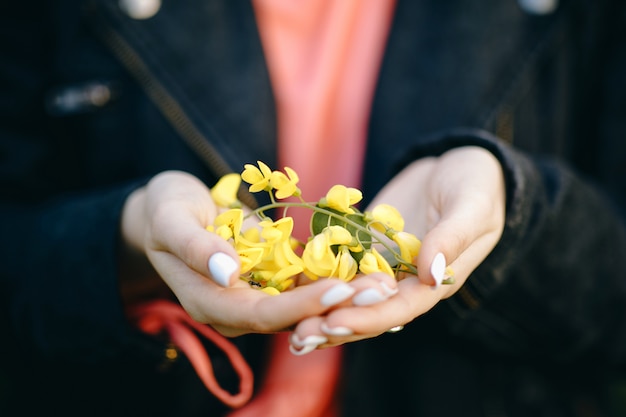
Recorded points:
(441, 246)
(222, 268)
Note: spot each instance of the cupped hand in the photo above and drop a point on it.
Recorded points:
(166, 220)
(456, 204)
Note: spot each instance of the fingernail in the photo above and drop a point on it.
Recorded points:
(222, 267)
(438, 268)
(309, 340)
(388, 290)
(337, 294)
(302, 351)
(336, 331)
(309, 344)
(368, 297)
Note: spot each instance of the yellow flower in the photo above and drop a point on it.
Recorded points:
(270, 290)
(337, 235)
(386, 217)
(294, 243)
(224, 192)
(250, 258)
(449, 273)
(277, 234)
(341, 240)
(372, 261)
(284, 255)
(282, 278)
(228, 224)
(273, 231)
(251, 235)
(250, 239)
(409, 245)
(340, 198)
(285, 185)
(318, 257)
(274, 261)
(258, 178)
(346, 267)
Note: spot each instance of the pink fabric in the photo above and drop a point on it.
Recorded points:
(323, 58)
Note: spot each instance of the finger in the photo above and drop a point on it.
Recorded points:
(475, 227)
(308, 338)
(372, 289)
(412, 300)
(258, 312)
(470, 209)
(313, 333)
(446, 241)
(247, 309)
(349, 324)
(384, 285)
(179, 208)
(182, 235)
(178, 227)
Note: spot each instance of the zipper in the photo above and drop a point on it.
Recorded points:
(170, 108)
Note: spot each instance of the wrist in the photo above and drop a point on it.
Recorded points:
(137, 277)
(133, 222)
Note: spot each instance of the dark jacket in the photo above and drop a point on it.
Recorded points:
(93, 103)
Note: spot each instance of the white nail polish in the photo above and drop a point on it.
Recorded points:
(337, 330)
(368, 297)
(438, 268)
(388, 290)
(337, 294)
(302, 351)
(222, 267)
(307, 345)
(309, 340)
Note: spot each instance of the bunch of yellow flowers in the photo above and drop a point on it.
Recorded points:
(343, 241)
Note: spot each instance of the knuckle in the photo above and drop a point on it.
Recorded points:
(259, 324)
(192, 249)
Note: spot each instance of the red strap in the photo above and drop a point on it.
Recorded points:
(156, 316)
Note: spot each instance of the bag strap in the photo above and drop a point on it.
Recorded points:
(154, 317)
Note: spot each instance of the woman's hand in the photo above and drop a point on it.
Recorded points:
(456, 202)
(166, 221)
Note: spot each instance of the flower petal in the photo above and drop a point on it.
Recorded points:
(388, 216)
(224, 192)
(340, 198)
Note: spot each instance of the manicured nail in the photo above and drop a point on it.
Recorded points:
(309, 340)
(388, 290)
(302, 351)
(337, 294)
(438, 268)
(222, 268)
(368, 297)
(309, 344)
(336, 331)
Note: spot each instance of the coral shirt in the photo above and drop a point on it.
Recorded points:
(323, 57)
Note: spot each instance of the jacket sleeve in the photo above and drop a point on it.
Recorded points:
(59, 279)
(554, 287)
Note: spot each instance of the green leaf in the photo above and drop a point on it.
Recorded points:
(319, 221)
